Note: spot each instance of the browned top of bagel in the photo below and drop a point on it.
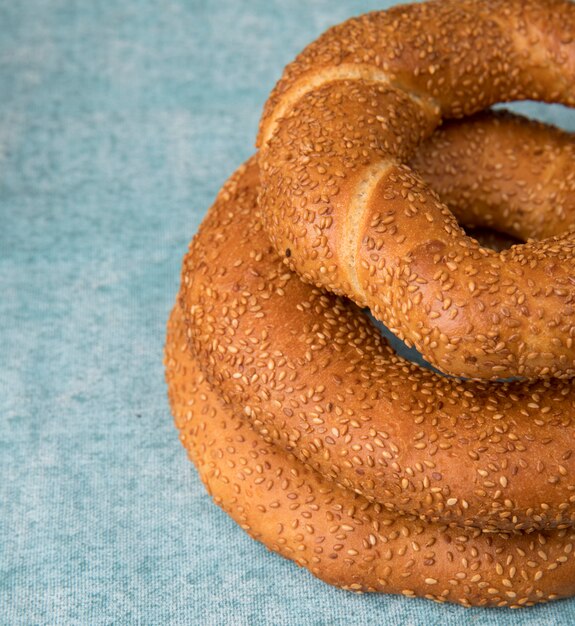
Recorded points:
(315, 376)
(335, 136)
(461, 55)
(340, 536)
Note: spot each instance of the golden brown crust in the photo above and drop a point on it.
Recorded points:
(313, 375)
(335, 136)
(340, 536)
(503, 171)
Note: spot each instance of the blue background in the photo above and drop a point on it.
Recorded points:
(119, 121)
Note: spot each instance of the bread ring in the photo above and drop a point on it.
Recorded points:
(340, 203)
(314, 375)
(340, 536)
(503, 171)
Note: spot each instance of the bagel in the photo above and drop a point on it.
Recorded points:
(348, 214)
(313, 375)
(502, 171)
(340, 536)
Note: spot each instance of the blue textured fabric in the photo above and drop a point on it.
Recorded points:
(119, 121)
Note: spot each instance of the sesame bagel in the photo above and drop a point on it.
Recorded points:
(314, 375)
(498, 170)
(337, 534)
(349, 215)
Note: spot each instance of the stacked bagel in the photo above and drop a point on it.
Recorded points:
(455, 482)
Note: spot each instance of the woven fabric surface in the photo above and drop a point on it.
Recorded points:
(119, 121)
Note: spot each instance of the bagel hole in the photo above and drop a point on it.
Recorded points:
(491, 238)
(409, 354)
(412, 354)
(557, 114)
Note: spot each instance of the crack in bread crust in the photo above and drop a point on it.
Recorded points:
(315, 80)
(358, 210)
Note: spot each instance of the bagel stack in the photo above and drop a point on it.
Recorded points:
(453, 481)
